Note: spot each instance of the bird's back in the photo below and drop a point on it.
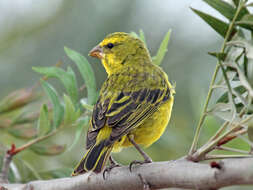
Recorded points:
(158, 99)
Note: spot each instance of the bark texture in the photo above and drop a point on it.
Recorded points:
(180, 174)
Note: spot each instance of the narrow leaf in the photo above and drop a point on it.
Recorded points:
(67, 78)
(44, 125)
(142, 37)
(70, 114)
(236, 2)
(86, 105)
(86, 72)
(17, 99)
(23, 131)
(73, 89)
(48, 150)
(250, 131)
(25, 117)
(162, 49)
(224, 98)
(79, 130)
(218, 55)
(223, 111)
(245, 65)
(58, 109)
(243, 11)
(244, 81)
(243, 43)
(218, 25)
(222, 7)
(134, 34)
(246, 22)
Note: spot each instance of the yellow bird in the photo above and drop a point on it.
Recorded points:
(134, 104)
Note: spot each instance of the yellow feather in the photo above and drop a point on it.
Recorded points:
(136, 99)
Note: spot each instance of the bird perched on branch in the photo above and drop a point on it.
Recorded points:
(134, 104)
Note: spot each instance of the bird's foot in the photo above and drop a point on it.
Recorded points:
(138, 162)
(109, 168)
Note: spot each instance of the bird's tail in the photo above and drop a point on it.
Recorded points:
(94, 160)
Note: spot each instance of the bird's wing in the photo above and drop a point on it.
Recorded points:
(124, 111)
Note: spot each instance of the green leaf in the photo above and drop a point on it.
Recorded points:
(246, 22)
(134, 34)
(86, 72)
(224, 98)
(67, 78)
(57, 173)
(73, 89)
(17, 99)
(44, 125)
(245, 65)
(244, 10)
(79, 130)
(223, 111)
(48, 150)
(242, 43)
(23, 131)
(86, 105)
(58, 109)
(218, 25)
(142, 37)
(236, 2)
(70, 114)
(218, 55)
(25, 117)
(222, 7)
(250, 131)
(162, 49)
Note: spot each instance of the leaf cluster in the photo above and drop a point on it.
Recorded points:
(232, 79)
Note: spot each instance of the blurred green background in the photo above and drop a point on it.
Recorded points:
(34, 34)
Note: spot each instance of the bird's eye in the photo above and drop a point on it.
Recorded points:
(110, 45)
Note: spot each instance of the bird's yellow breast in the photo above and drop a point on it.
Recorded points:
(151, 129)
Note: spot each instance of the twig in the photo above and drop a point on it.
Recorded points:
(231, 136)
(219, 132)
(231, 149)
(209, 146)
(30, 143)
(5, 168)
(211, 157)
(13, 151)
(210, 91)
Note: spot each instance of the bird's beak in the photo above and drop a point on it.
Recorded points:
(97, 52)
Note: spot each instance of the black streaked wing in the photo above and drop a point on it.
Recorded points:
(124, 115)
(142, 105)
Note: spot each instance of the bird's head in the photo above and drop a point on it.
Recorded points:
(119, 50)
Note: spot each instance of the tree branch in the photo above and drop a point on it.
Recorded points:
(180, 173)
(5, 168)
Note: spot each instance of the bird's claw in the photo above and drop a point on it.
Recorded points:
(109, 168)
(138, 162)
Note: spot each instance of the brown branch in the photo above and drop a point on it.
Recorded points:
(32, 142)
(5, 168)
(13, 151)
(180, 173)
